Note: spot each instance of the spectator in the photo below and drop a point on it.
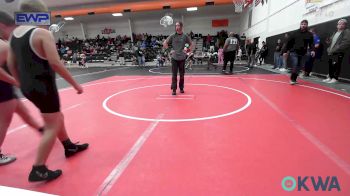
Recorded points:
(263, 52)
(339, 44)
(277, 55)
(140, 57)
(309, 58)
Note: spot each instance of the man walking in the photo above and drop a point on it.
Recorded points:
(297, 45)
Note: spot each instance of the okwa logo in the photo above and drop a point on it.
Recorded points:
(330, 183)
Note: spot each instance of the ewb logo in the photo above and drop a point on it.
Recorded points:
(331, 182)
(33, 18)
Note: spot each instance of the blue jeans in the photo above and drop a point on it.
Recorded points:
(296, 61)
(277, 60)
(141, 60)
(251, 60)
(309, 63)
(284, 60)
(281, 63)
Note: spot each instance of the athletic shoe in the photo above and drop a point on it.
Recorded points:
(333, 81)
(174, 93)
(327, 80)
(41, 173)
(75, 149)
(293, 82)
(182, 91)
(4, 159)
(283, 70)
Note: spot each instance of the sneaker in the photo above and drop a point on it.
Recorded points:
(293, 82)
(223, 71)
(174, 93)
(283, 69)
(326, 80)
(4, 159)
(75, 149)
(182, 91)
(41, 173)
(333, 81)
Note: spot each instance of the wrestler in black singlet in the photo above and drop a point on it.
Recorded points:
(37, 79)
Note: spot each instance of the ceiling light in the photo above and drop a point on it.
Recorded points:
(117, 14)
(190, 9)
(69, 18)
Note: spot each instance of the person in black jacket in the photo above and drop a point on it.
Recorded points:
(318, 52)
(284, 54)
(251, 51)
(263, 52)
(277, 55)
(297, 46)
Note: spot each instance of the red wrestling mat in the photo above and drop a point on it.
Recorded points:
(227, 135)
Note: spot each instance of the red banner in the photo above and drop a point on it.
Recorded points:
(247, 3)
(219, 23)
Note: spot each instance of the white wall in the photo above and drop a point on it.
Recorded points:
(152, 26)
(121, 28)
(71, 30)
(203, 24)
(93, 29)
(198, 24)
(279, 16)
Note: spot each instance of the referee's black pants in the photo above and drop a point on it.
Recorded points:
(178, 66)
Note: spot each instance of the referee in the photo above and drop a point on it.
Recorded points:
(178, 40)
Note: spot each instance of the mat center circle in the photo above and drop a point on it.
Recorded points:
(199, 102)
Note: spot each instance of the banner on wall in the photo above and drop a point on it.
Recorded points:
(314, 5)
(257, 2)
(247, 3)
(108, 31)
(219, 23)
